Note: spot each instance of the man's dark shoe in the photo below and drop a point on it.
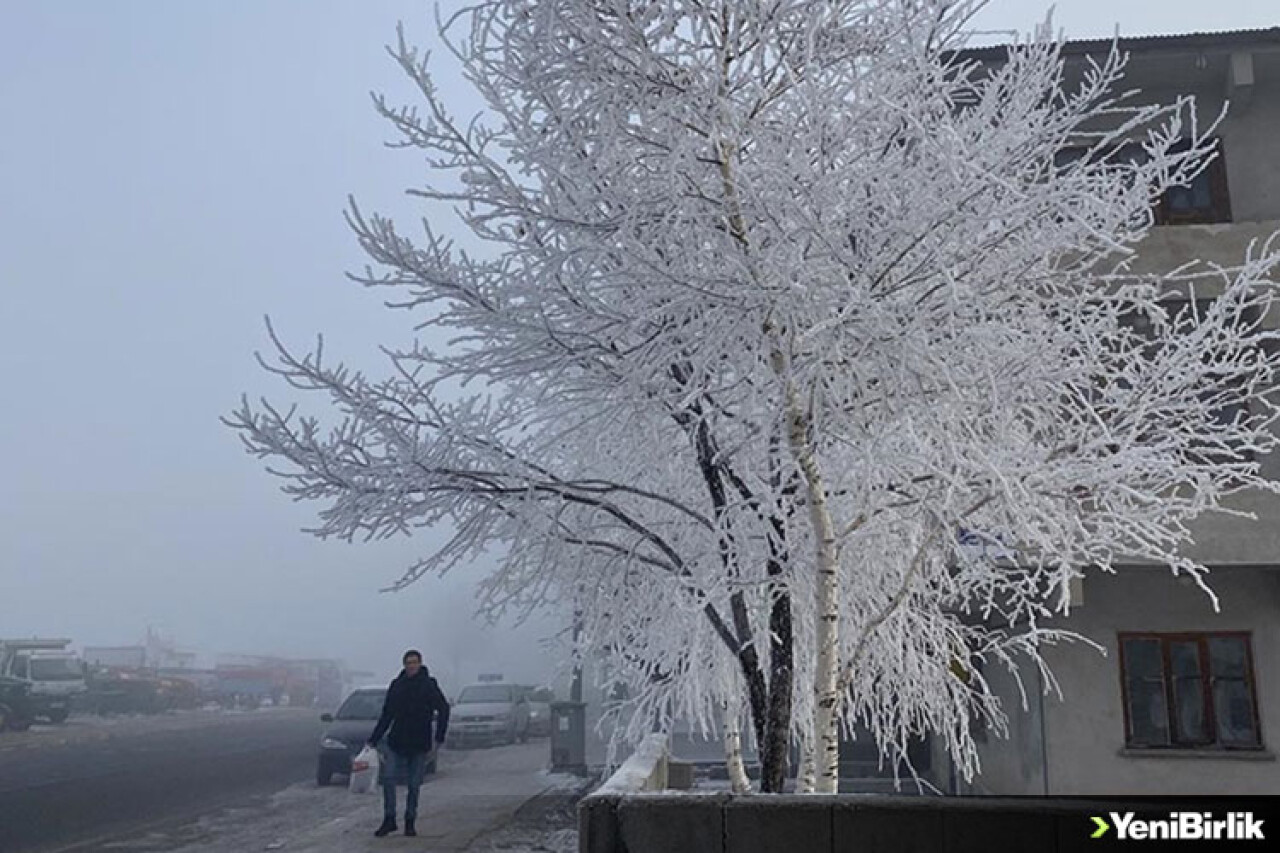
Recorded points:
(409, 828)
(388, 827)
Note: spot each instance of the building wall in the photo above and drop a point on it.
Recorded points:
(1225, 539)
(1015, 763)
(1249, 133)
(1085, 733)
(1078, 750)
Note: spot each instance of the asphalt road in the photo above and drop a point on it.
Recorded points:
(83, 786)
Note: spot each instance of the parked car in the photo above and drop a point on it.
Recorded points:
(489, 713)
(540, 699)
(348, 731)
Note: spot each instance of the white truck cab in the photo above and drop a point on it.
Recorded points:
(55, 674)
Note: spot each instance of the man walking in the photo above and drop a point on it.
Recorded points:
(413, 702)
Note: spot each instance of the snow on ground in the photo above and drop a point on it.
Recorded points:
(476, 798)
(549, 839)
(548, 823)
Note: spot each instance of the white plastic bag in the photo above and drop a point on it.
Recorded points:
(364, 770)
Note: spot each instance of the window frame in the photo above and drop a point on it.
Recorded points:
(1208, 706)
(1219, 210)
(1217, 213)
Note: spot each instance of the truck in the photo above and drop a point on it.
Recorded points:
(124, 690)
(54, 674)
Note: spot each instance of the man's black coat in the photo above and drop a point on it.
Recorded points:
(408, 712)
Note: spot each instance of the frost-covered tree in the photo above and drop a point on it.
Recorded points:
(779, 297)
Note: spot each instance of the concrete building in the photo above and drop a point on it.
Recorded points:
(1187, 699)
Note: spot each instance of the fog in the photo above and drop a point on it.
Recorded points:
(171, 173)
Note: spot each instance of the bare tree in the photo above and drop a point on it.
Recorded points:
(780, 296)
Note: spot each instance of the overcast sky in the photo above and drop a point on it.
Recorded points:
(170, 172)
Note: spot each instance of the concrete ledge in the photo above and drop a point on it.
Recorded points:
(904, 827)
(1167, 247)
(645, 770)
(666, 824)
(605, 824)
(598, 825)
(1211, 754)
(725, 823)
(765, 824)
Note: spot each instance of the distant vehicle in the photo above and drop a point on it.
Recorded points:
(117, 690)
(198, 688)
(315, 683)
(540, 699)
(54, 675)
(116, 657)
(487, 714)
(121, 691)
(348, 731)
(15, 704)
(250, 687)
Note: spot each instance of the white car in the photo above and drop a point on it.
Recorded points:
(486, 714)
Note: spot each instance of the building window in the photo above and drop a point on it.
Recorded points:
(1205, 201)
(1189, 691)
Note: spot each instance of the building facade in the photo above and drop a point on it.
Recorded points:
(1186, 698)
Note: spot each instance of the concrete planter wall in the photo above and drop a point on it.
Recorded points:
(854, 823)
(644, 770)
(632, 813)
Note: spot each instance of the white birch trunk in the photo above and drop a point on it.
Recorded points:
(827, 610)
(826, 693)
(738, 778)
(804, 785)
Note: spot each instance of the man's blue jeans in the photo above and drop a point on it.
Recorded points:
(397, 769)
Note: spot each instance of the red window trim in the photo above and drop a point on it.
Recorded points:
(1206, 686)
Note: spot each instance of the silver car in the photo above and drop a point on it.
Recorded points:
(486, 714)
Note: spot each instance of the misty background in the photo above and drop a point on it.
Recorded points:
(169, 174)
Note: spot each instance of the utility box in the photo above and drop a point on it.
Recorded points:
(680, 775)
(569, 737)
